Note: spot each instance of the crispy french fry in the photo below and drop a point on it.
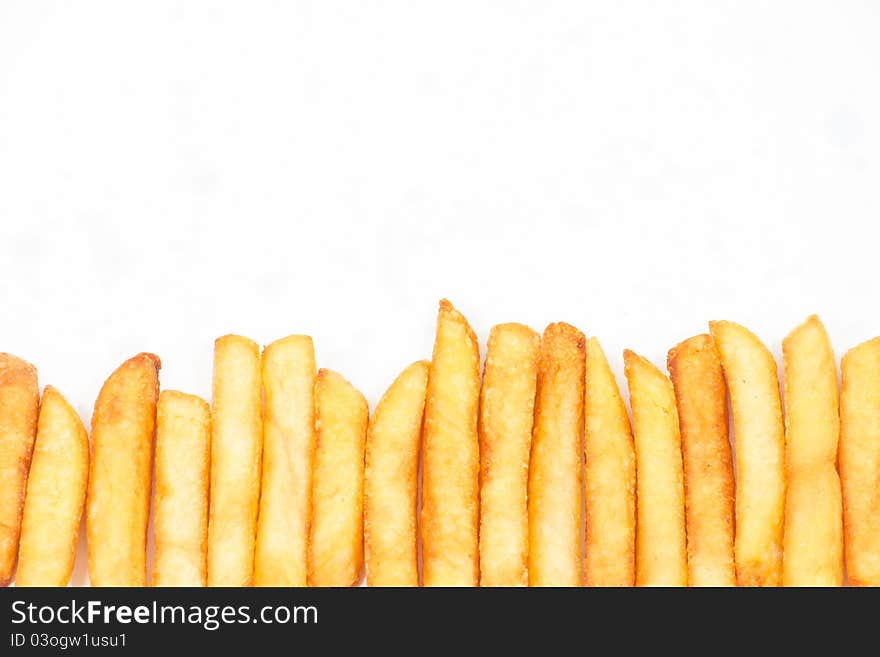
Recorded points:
(661, 553)
(288, 459)
(860, 461)
(236, 451)
(19, 401)
(118, 504)
(759, 448)
(451, 456)
(609, 478)
(391, 481)
(56, 495)
(336, 548)
(180, 508)
(812, 552)
(555, 469)
(695, 369)
(507, 400)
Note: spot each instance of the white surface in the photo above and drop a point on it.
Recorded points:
(170, 173)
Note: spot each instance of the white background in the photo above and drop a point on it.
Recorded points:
(170, 172)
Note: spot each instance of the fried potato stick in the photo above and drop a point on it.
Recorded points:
(507, 401)
(860, 461)
(19, 401)
(555, 467)
(180, 508)
(288, 458)
(609, 478)
(451, 456)
(759, 453)
(813, 540)
(661, 553)
(56, 495)
(701, 396)
(391, 481)
(236, 452)
(117, 509)
(336, 537)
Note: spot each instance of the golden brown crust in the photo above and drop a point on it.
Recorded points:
(554, 493)
(123, 424)
(236, 452)
(19, 401)
(701, 397)
(288, 372)
(180, 507)
(813, 537)
(507, 400)
(609, 478)
(661, 554)
(56, 495)
(860, 461)
(391, 481)
(450, 472)
(336, 549)
(759, 453)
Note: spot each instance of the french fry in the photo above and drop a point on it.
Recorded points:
(118, 504)
(336, 549)
(609, 478)
(451, 456)
(19, 401)
(391, 481)
(507, 400)
(236, 451)
(555, 469)
(759, 448)
(56, 495)
(180, 508)
(812, 552)
(661, 553)
(288, 458)
(701, 396)
(860, 461)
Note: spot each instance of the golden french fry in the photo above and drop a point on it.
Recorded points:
(661, 552)
(391, 481)
(507, 400)
(609, 478)
(180, 508)
(555, 470)
(19, 400)
(813, 540)
(759, 448)
(56, 495)
(451, 456)
(118, 504)
(336, 548)
(236, 450)
(701, 395)
(288, 458)
(860, 461)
